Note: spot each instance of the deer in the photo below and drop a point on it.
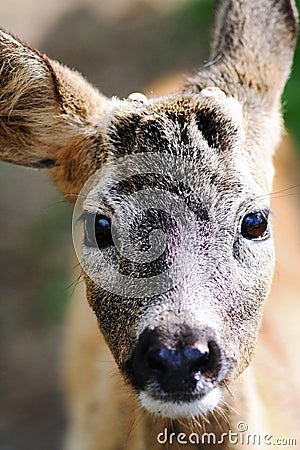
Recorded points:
(172, 226)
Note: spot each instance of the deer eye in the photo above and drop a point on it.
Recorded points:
(255, 226)
(97, 231)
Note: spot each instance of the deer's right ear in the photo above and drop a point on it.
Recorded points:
(49, 115)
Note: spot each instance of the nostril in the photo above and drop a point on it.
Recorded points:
(204, 360)
(189, 360)
(161, 358)
(196, 358)
(157, 358)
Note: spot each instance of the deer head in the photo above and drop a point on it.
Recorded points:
(173, 197)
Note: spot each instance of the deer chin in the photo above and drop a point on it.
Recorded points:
(173, 409)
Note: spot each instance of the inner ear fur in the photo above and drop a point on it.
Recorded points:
(47, 111)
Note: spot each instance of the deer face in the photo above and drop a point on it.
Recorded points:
(177, 249)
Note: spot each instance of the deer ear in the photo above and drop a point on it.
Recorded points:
(252, 50)
(47, 112)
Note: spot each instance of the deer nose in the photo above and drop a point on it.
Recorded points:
(186, 361)
(175, 365)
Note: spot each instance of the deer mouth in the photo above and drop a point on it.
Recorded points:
(181, 405)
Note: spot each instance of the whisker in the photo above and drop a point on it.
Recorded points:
(135, 422)
(78, 280)
(235, 411)
(295, 194)
(181, 422)
(194, 425)
(67, 194)
(57, 202)
(223, 414)
(281, 191)
(228, 389)
(205, 419)
(216, 419)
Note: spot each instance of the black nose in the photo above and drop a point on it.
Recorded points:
(187, 360)
(177, 364)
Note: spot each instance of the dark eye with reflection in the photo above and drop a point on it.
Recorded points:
(255, 226)
(97, 231)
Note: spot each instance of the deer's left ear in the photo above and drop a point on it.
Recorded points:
(49, 115)
(252, 51)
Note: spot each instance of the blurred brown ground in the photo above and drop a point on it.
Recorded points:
(120, 46)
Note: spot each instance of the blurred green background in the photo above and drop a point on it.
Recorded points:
(291, 98)
(120, 46)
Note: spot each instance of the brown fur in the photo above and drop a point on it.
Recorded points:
(92, 380)
(51, 117)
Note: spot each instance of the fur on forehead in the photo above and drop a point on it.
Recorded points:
(204, 136)
(174, 124)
